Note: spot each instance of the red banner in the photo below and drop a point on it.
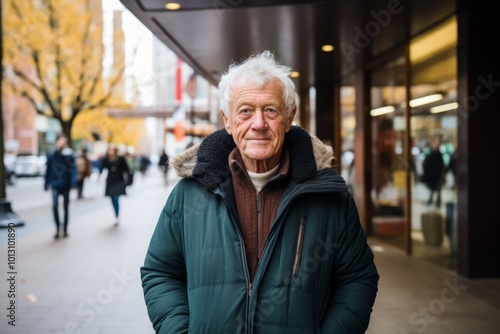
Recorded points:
(178, 82)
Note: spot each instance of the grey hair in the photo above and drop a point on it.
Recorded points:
(259, 69)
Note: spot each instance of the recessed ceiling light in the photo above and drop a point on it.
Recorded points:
(327, 48)
(172, 6)
(444, 107)
(382, 111)
(425, 100)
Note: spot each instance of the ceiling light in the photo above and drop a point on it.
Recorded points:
(382, 111)
(294, 74)
(444, 107)
(425, 100)
(327, 48)
(172, 6)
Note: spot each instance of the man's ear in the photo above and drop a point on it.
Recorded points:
(226, 121)
(290, 119)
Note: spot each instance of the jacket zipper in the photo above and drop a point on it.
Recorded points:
(258, 217)
(281, 208)
(286, 199)
(298, 249)
(250, 329)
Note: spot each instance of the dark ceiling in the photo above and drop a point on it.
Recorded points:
(209, 35)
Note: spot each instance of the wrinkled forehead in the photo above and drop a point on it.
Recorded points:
(251, 83)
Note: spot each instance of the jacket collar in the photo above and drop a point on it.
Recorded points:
(208, 161)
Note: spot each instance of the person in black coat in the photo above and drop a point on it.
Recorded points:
(118, 178)
(163, 163)
(434, 173)
(60, 176)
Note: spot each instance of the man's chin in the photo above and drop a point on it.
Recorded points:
(259, 156)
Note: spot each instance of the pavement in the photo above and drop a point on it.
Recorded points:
(90, 283)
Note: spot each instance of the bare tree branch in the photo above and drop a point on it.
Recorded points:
(37, 107)
(43, 88)
(77, 102)
(54, 25)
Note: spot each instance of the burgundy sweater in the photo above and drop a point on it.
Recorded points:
(256, 211)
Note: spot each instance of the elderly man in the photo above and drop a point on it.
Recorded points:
(261, 235)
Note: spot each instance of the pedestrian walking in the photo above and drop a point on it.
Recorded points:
(117, 180)
(260, 225)
(60, 177)
(144, 164)
(132, 165)
(84, 168)
(163, 163)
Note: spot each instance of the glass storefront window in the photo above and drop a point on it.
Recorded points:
(388, 190)
(434, 143)
(348, 125)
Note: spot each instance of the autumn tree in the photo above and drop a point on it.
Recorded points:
(53, 56)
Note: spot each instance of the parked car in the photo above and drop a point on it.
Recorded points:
(30, 165)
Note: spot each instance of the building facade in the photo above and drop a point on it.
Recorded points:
(409, 99)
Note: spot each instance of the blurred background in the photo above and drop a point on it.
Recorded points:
(105, 79)
(405, 91)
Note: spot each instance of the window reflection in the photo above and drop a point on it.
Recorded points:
(434, 144)
(347, 105)
(387, 96)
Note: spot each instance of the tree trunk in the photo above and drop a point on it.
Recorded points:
(66, 130)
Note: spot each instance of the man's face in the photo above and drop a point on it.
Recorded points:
(258, 124)
(61, 143)
(112, 152)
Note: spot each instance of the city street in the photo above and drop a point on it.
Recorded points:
(88, 282)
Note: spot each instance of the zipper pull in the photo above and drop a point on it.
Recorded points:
(249, 289)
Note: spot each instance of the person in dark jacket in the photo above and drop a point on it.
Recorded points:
(60, 176)
(434, 170)
(117, 180)
(84, 168)
(163, 163)
(261, 234)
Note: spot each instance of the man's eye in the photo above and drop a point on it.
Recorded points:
(272, 113)
(245, 111)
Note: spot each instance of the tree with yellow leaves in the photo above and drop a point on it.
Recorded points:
(53, 56)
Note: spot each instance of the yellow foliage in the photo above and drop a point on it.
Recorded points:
(127, 131)
(53, 55)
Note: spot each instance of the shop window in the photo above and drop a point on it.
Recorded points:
(388, 189)
(348, 125)
(434, 142)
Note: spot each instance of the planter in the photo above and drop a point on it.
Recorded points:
(433, 228)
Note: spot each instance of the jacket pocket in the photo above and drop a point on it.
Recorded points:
(298, 247)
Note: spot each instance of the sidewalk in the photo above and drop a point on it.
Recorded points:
(89, 283)
(419, 297)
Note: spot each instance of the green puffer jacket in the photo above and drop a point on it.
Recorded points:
(316, 273)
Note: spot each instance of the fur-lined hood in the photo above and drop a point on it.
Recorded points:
(308, 155)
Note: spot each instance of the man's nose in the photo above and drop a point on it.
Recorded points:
(259, 120)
